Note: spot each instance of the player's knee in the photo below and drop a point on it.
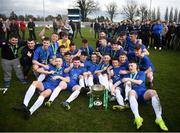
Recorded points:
(128, 83)
(46, 93)
(152, 93)
(35, 83)
(132, 93)
(80, 77)
(35, 67)
(63, 85)
(76, 87)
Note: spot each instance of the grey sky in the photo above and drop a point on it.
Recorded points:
(54, 7)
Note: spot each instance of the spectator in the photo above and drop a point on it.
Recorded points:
(31, 27)
(10, 60)
(78, 29)
(26, 57)
(23, 28)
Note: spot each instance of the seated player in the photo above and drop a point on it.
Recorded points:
(55, 76)
(74, 71)
(144, 64)
(139, 93)
(101, 71)
(65, 41)
(73, 50)
(41, 58)
(115, 50)
(114, 83)
(86, 48)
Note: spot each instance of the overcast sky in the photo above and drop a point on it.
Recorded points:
(54, 7)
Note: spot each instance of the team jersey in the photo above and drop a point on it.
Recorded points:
(65, 64)
(92, 67)
(131, 46)
(41, 55)
(73, 52)
(104, 50)
(143, 63)
(53, 48)
(116, 53)
(86, 64)
(89, 50)
(58, 72)
(116, 75)
(140, 75)
(75, 72)
(102, 66)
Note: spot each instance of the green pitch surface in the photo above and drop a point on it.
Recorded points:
(80, 118)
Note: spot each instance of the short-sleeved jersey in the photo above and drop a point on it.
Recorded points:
(89, 50)
(92, 67)
(116, 53)
(116, 75)
(143, 63)
(102, 65)
(140, 75)
(104, 50)
(41, 55)
(75, 72)
(58, 72)
(65, 64)
(131, 46)
(73, 52)
(66, 44)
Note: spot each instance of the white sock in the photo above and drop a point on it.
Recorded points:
(90, 81)
(110, 86)
(101, 80)
(73, 96)
(37, 104)
(29, 93)
(151, 78)
(156, 106)
(127, 89)
(81, 82)
(41, 77)
(134, 106)
(119, 97)
(86, 80)
(55, 93)
(106, 82)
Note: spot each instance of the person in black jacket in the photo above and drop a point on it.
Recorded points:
(26, 57)
(10, 60)
(31, 27)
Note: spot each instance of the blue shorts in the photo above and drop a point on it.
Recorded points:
(71, 84)
(48, 85)
(140, 93)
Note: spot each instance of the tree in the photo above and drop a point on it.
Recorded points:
(112, 10)
(49, 18)
(158, 13)
(143, 11)
(176, 15)
(153, 15)
(166, 14)
(86, 7)
(13, 15)
(130, 9)
(171, 15)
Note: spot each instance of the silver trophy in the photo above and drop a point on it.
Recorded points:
(98, 96)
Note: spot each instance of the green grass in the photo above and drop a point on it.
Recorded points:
(80, 118)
